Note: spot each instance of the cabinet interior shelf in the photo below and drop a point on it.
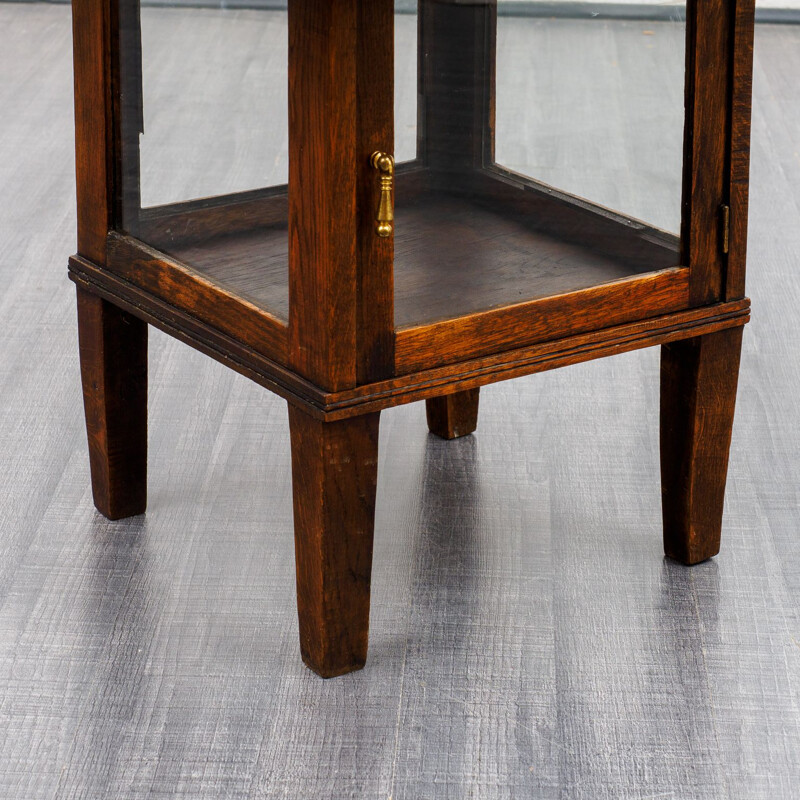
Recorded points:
(463, 245)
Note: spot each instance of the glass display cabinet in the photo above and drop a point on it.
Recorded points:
(358, 206)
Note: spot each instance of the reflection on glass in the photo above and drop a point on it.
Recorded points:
(595, 106)
(550, 155)
(205, 141)
(215, 98)
(215, 102)
(405, 70)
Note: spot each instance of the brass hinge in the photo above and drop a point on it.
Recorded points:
(725, 220)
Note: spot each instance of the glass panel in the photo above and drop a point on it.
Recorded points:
(595, 106)
(214, 96)
(205, 140)
(205, 135)
(215, 101)
(405, 70)
(547, 134)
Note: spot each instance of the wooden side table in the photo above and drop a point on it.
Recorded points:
(323, 294)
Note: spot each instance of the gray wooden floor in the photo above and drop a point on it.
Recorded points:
(528, 638)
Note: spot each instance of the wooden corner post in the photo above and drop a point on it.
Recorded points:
(340, 112)
(341, 323)
(741, 109)
(457, 71)
(113, 344)
(699, 375)
(94, 151)
(706, 160)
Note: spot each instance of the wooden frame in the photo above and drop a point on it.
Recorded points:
(342, 337)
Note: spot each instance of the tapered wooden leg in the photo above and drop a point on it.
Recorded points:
(334, 481)
(698, 395)
(453, 415)
(113, 353)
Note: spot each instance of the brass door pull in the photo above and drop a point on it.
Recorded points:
(384, 163)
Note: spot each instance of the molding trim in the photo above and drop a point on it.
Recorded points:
(332, 406)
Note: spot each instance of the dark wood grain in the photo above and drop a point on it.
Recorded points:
(200, 335)
(516, 575)
(334, 481)
(325, 163)
(415, 386)
(375, 99)
(184, 288)
(456, 256)
(91, 32)
(538, 358)
(497, 244)
(739, 184)
(572, 219)
(698, 396)
(708, 55)
(551, 317)
(113, 353)
(193, 222)
(252, 265)
(453, 415)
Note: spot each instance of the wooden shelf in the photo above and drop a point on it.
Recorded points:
(253, 265)
(477, 248)
(457, 255)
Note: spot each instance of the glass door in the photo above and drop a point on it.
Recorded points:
(205, 141)
(550, 153)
